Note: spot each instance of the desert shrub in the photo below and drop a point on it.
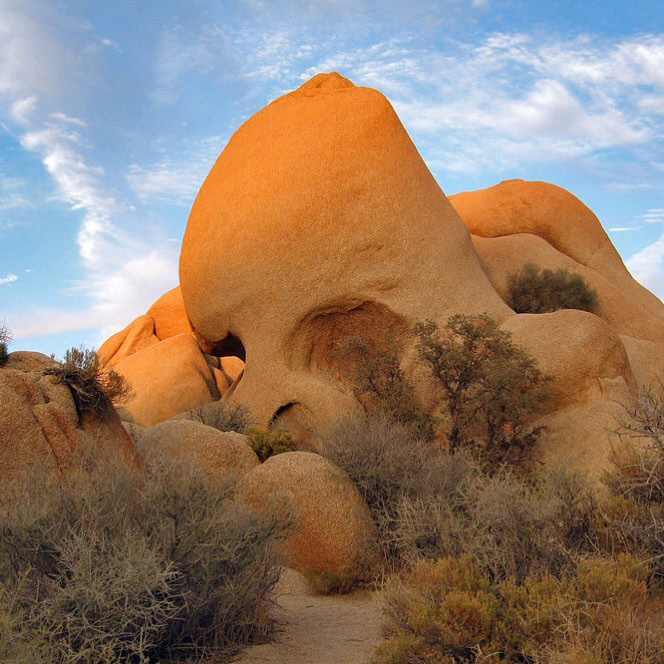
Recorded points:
(380, 382)
(222, 416)
(449, 610)
(95, 389)
(535, 291)
(106, 566)
(429, 503)
(387, 461)
(633, 518)
(5, 340)
(267, 443)
(491, 387)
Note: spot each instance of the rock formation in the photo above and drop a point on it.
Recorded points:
(332, 528)
(40, 428)
(338, 229)
(218, 453)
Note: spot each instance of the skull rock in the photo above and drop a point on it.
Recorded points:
(319, 221)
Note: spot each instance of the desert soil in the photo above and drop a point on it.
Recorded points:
(317, 629)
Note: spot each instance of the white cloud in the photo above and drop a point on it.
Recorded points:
(653, 216)
(647, 267)
(178, 177)
(13, 193)
(8, 279)
(22, 109)
(624, 229)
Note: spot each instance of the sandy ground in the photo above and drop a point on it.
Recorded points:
(315, 629)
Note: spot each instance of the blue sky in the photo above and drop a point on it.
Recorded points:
(112, 113)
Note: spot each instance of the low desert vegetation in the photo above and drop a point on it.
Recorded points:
(537, 291)
(107, 566)
(5, 340)
(501, 566)
(222, 416)
(267, 443)
(489, 557)
(95, 389)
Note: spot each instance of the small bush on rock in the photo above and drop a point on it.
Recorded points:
(221, 416)
(267, 443)
(5, 340)
(535, 291)
(96, 390)
(106, 566)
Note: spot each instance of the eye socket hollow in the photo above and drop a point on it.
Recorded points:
(229, 345)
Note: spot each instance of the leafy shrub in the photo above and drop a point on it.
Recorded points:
(222, 416)
(448, 610)
(267, 443)
(535, 291)
(379, 381)
(95, 390)
(491, 387)
(5, 340)
(106, 566)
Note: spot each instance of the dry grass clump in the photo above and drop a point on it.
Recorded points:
(221, 416)
(96, 391)
(105, 566)
(536, 291)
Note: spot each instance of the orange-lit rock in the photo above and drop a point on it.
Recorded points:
(336, 226)
(166, 378)
(169, 315)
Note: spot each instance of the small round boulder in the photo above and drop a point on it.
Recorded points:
(217, 452)
(332, 532)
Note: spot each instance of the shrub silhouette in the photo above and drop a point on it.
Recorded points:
(106, 566)
(5, 340)
(491, 387)
(96, 390)
(535, 291)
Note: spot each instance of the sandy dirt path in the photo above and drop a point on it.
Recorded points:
(315, 629)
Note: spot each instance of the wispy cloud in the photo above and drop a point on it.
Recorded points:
(8, 279)
(624, 229)
(653, 216)
(177, 177)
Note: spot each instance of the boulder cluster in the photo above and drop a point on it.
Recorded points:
(320, 221)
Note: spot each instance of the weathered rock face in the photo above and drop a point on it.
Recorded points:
(333, 528)
(39, 425)
(166, 378)
(337, 226)
(218, 453)
(338, 230)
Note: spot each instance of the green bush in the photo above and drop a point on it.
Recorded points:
(535, 291)
(96, 391)
(5, 340)
(107, 566)
(267, 443)
(491, 387)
